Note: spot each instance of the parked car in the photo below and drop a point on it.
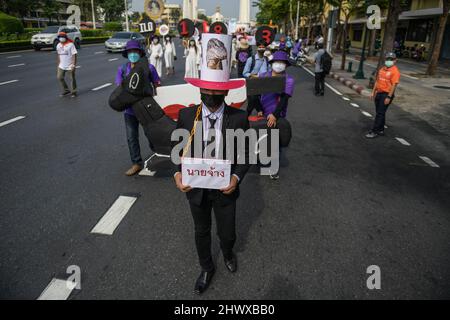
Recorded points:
(119, 40)
(48, 38)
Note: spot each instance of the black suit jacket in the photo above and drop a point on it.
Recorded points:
(232, 119)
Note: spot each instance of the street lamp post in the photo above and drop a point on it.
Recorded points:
(126, 15)
(296, 22)
(360, 73)
(93, 14)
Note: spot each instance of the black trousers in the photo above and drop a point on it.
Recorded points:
(319, 87)
(381, 109)
(253, 103)
(226, 227)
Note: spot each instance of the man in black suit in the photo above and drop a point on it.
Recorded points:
(215, 115)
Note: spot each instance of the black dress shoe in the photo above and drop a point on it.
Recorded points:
(203, 281)
(231, 264)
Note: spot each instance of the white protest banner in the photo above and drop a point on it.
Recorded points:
(205, 173)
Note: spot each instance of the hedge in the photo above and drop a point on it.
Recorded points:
(10, 24)
(112, 26)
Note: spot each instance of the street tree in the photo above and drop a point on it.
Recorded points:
(432, 65)
(348, 8)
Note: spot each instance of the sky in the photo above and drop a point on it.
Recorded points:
(229, 8)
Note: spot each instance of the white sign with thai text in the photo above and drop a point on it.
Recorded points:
(205, 173)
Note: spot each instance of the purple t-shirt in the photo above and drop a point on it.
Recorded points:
(269, 101)
(153, 78)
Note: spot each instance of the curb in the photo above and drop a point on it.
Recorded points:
(351, 84)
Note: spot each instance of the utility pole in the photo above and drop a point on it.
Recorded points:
(330, 28)
(296, 22)
(126, 15)
(93, 14)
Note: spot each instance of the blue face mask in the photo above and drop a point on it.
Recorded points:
(389, 63)
(134, 57)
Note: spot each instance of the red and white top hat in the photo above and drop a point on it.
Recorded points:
(215, 66)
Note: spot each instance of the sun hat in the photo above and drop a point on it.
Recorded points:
(280, 56)
(133, 45)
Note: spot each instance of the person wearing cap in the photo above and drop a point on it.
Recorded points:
(170, 55)
(243, 52)
(67, 62)
(156, 53)
(388, 77)
(216, 117)
(134, 52)
(319, 86)
(274, 105)
(255, 65)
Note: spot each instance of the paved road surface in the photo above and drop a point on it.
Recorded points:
(342, 203)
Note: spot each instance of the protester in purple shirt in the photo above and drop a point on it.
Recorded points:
(274, 105)
(134, 52)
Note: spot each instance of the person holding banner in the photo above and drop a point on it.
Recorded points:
(155, 51)
(210, 120)
(170, 54)
(192, 54)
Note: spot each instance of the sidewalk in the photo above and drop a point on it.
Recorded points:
(421, 95)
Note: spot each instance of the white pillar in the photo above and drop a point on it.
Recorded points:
(194, 9)
(187, 9)
(244, 11)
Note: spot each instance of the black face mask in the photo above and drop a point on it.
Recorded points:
(213, 101)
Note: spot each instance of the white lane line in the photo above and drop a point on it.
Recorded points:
(77, 67)
(12, 57)
(430, 162)
(4, 123)
(113, 59)
(354, 105)
(16, 65)
(6, 82)
(102, 86)
(346, 99)
(403, 141)
(57, 289)
(366, 114)
(99, 52)
(332, 89)
(109, 222)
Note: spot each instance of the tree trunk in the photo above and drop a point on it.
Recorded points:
(339, 28)
(344, 36)
(394, 11)
(431, 70)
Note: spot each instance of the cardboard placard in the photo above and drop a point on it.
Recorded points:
(205, 173)
(186, 28)
(256, 86)
(218, 28)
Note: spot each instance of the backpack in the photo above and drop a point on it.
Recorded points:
(326, 62)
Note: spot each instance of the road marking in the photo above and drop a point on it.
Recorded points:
(430, 162)
(99, 52)
(403, 141)
(57, 289)
(16, 65)
(12, 57)
(4, 123)
(346, 99)
(354, 105)
(102, 86)
(411, 77)
(6, 82)
(113, 59)
(77, 67)
(366, 114)
(109, 222)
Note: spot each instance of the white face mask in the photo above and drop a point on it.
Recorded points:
(62, 39)
(278, 67)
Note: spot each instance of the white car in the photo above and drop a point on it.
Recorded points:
(48, 38)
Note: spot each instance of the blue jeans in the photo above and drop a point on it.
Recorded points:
(132, 128)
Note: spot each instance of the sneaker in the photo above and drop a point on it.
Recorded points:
(135, 168)
(371, 135)
(74, 95)
(274, 176)
(381, 133)
(66, 93)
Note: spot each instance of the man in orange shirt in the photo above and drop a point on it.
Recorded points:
(383, 93)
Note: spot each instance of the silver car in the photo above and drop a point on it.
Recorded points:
(118, 41)
(48, 38)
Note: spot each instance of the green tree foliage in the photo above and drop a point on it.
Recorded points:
(9, 24)
(114, 9)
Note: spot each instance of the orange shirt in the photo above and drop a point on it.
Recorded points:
(387, 77)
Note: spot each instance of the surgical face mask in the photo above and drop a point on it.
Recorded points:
(192, 44)
(389, 63)
(278, 67)
(155, 41)
(134, 57)
(62, 39)
(213, 101)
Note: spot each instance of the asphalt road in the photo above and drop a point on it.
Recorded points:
(342, 204)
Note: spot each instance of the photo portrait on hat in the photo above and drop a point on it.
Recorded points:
(215, 66)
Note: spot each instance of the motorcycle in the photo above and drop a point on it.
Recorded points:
(300, 59)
